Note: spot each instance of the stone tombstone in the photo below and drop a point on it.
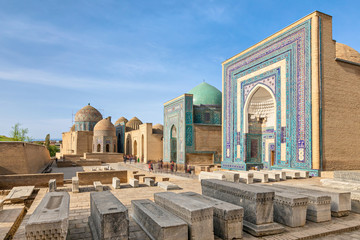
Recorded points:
(98, 186)
(229, 176)
(19, 194)
(246, 177)
(261, 176)
(168, 186)
(228, 218)
(256, 201)
(289, 208)
(149, 181)
(50, 219)
(109, 218)
(115, 183)
(52, 185)
(157, 222)
(211, 175)
(134, 182)
(347, 175)
(198, 215)
(319, 205)
(75, 184)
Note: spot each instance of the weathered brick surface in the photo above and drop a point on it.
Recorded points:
(87, 178)
(37, 180)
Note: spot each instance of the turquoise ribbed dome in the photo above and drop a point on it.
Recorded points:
(206, 94)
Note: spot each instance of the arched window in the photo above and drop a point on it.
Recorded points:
(114, 148)
(107, 148)
(98, 147)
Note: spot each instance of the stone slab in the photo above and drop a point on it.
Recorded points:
(134, 182)
(343, 185)
(157, 222)
(355, 201)
(340, 199)
(109, 218)
(229, 176)
(272, 176)
(347, 175)
(262, 229)
(289, 208)
(303, 173)
(199, 216)
(281, 173)
(50, 220)
(116, 183)
(168, 186)
(211, 175)
(319, 205)
(228, 218)
(142, 178)
(98, 186)
(260, 176)
(149, 181)
(246, 177)
(75, 184)
(52, 185)
(19, 194)
(292, 174)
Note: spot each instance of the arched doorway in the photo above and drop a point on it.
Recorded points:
(135, 148)
(98, 147)
(128, 144)
(259, 120)
(107, 147)
(142, 148)
(119, 148)
(173, 144)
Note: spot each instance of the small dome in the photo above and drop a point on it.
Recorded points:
(158, 126)
(347, 53)
(206, 94)
(88, 114)
(133, 124)
(120, 120)
(105, 125)
(72, 129)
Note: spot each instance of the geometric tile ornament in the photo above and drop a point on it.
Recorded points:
(293, 46)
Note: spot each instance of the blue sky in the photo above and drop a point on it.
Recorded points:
(127, 58)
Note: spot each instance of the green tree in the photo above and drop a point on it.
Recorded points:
(53, 150)
(19, 134)
(47, 141)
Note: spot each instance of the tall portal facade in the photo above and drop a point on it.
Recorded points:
(279, 99)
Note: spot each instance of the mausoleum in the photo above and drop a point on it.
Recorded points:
(292, 100)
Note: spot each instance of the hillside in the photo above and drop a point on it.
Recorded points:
(5, 138)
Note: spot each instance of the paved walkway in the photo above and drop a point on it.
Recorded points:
(80, 211)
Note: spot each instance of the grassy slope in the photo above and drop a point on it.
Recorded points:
(4, 138)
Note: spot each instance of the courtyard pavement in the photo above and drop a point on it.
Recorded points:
(344, 228)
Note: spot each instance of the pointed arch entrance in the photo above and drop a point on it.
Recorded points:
(135, 148)
(173, 144)
(260, 126)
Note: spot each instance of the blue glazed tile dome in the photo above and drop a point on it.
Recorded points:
(206, 94)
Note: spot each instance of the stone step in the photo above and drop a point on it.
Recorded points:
(228, 218)
(157, 222)
(199, 216)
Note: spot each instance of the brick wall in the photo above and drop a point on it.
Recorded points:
(207, 138)
(105, 177)
(37, 180)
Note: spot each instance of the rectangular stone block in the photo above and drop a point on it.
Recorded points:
(50, 220)
(116, 183)
(319, 205)
(228, 218)
(272, 176)
(282, 174)
(142, 178)
(211, 175)
(289, 208)
(134, 182)
(199, 216)
(260, 176)
(19, 194)
(342, 185)
(292, 174)
(303, 173)
(168, 186)
(138, 175)
(149, 181)
(75, 184)
(355, 201)
(347, 175)
(52, 185)
(230, 176)
(98, 186)
(340, 199)
(246, 177)
(1, 204)
(157, 222)
(256, 201)
(109, 218)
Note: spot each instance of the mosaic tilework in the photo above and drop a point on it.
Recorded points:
(293, 45)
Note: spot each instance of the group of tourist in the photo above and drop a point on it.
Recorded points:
(131, 158)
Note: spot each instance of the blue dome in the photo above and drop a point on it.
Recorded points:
(206, 94)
